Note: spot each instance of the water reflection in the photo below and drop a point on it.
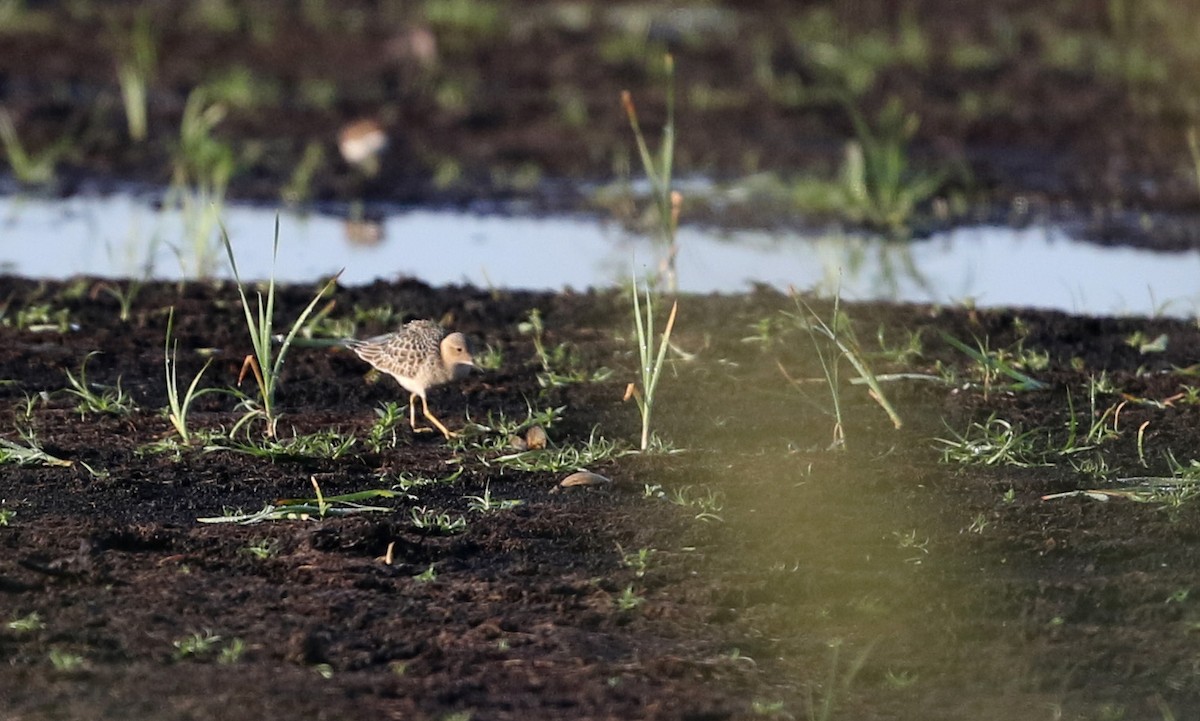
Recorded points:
(888, 268)
(364, 233)
(123, 236)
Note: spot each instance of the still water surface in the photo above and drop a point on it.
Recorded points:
(1043, 267)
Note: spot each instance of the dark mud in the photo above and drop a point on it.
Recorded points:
(519, 622)
(1024, 105)
(945, 594)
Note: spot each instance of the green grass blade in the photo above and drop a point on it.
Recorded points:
(1023, 382)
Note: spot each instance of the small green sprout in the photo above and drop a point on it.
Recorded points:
(25, 624)
(195, 645)
(627, 600)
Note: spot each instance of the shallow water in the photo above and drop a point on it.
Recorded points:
(1043, 267)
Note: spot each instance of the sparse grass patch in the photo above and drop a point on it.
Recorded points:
(496, 431)
(563, 458)
(29, 401)
(990, 365)
(403, 483)
(991, 443)
(95, 398)
(1170, 493)
(232, 652)
(241, 88)
(998, 442)
(901, 353)
(1101, 426)
(37, 318)
(465, 21)
(979, 523)
(307, 509)
(705, 501)
(878, 184)
(428, 519)
(175, 447)
(29, 454)
(489, 359)
(203, 166)
(382, 433)
(1145, 344)
(767, 331)
(837, 683)
(900, 680)
(768, 708)
(562, 364)
(486, 504)
(325, 443)
(323, 324)
(298, 189)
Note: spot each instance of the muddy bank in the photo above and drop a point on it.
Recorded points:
(1077, 103)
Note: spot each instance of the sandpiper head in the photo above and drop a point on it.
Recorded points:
(456, 355)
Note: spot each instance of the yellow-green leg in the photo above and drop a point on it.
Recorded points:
(412, 414)
(425, 408)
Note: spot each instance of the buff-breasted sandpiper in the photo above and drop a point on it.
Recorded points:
(420, 356)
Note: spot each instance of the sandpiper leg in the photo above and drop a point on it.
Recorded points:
(412, 414)
(445, 431)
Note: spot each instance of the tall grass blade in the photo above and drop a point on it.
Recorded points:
(658, 170)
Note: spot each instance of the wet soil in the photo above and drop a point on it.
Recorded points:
(1022, 105)
(949, 591)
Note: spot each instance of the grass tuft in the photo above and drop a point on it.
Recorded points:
(177, 409)
(29, 168)
(112, 400)
(29, 454)
(833, 341)
(266, 363)
(651, 364)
